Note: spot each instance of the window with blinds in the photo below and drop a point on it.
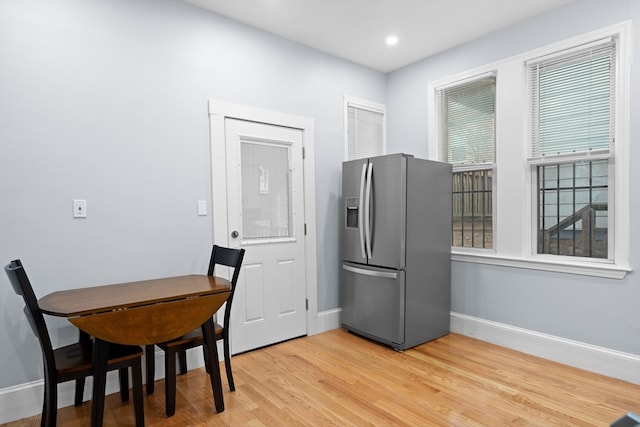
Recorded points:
(572, 100)
(466, 120)
(365, 132)
(540, 145)
(572, 126)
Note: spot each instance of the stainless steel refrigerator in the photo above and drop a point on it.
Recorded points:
(396, 249)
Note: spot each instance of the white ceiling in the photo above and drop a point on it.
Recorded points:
(356, 29)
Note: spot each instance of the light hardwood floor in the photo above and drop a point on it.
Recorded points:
(339, 379)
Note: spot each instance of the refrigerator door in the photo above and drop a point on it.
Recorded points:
(373, 302)
(353, 193)
(385, 224)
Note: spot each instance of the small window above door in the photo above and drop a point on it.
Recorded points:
(364, 128)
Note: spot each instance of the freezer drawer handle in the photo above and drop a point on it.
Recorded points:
(384, 274)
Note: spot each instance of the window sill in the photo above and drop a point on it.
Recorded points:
(610, 271)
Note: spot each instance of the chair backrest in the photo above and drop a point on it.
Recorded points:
(22, 286)
(230, 258)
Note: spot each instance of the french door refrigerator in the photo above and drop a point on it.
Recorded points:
(396, 249)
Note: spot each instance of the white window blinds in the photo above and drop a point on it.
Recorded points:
(466, 117)
(572, 98)
(365, 132)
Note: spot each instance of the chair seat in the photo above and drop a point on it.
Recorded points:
(191, 339)
(75, 358)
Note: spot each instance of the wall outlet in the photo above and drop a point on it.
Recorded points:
(79, 208)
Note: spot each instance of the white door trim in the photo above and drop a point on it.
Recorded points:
(218, 112)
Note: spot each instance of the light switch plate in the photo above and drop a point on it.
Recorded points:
(202, 207)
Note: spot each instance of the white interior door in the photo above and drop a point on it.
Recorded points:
(265, 216)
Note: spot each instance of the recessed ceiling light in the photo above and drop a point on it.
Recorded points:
(392, 40)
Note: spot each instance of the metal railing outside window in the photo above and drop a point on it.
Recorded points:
(573, 209)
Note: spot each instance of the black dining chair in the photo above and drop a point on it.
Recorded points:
(179, 346)
(74, 362)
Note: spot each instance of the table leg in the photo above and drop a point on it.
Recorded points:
(100, 357)
(214, 364)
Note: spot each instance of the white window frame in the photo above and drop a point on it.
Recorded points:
(436, 155)
(515, 224)
(351, 101)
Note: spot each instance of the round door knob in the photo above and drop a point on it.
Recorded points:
(235, 234)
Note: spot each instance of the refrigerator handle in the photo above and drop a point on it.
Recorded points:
(374, 273)
(367, 211)
(360, 215)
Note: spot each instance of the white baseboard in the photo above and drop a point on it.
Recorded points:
(325, 321)
(25, 400)
(612, 363)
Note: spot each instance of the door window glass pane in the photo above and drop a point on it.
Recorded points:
(266, 190)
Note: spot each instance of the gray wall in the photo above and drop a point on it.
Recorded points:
(107, 101)
(603, 312)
